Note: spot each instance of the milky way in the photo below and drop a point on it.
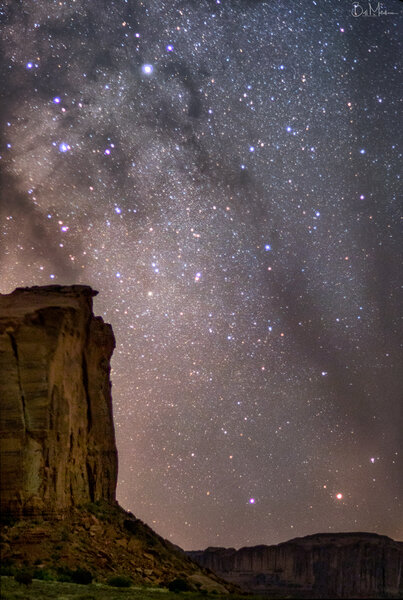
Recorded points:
(226, 174)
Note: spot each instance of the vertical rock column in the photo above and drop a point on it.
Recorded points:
(57, 437)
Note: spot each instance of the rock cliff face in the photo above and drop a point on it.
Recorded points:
(57, 436)
(57, 449)
(344, 565)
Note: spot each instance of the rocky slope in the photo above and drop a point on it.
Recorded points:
(103, 539)
(58, 458)
(343, 565)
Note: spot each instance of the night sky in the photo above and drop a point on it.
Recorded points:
(226, 175)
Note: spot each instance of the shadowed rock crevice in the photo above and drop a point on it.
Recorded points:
(22, 397)
(87, 395)
(91, 482)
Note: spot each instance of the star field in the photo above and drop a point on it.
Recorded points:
(227, 175)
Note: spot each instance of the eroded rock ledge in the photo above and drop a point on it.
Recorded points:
(57, 437)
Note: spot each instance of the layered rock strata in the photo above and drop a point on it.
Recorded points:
(343, 565)
(57, 437)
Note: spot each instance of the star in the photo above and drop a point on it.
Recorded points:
(147, 69)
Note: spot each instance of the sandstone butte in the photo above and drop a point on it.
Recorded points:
(58, 457)
(58, 442)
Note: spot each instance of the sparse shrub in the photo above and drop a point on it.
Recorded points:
(64, 574)
(120, 581)
(82, 576)
(179, 585)
(7, 568)
(79, 575)
(100, 509)
(93, 508)
(23, 577)
(43, 575)
(131, 526)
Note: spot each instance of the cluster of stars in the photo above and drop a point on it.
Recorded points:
(227, 177)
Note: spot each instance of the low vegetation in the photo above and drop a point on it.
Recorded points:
(40, 589)
(179, 585)
(120, 581)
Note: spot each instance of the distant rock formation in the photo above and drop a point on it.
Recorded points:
(58, 442)
(341, 565)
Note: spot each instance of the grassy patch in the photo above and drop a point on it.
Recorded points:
(56, 590)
